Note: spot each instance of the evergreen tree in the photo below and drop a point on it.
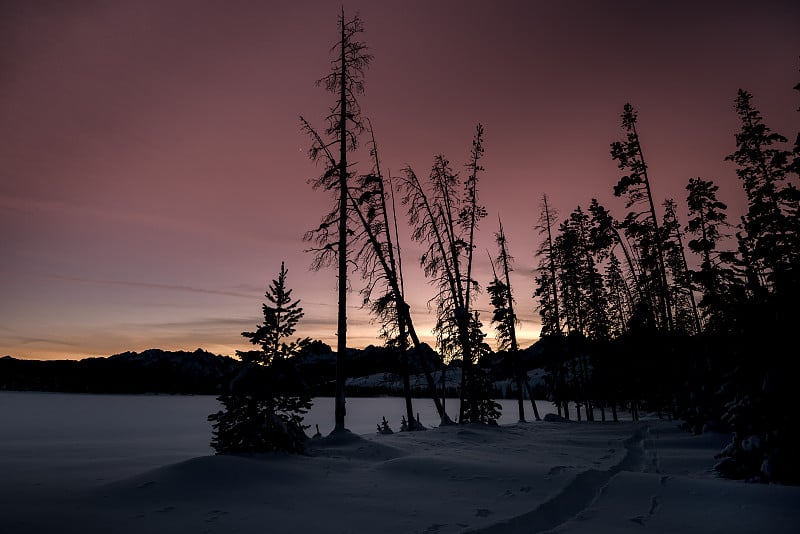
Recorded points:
(479, 405)
(642, 226)
(280, 322)
(505, 320)
(619, 302)
(546, 281)
(716, 277)
(606, 239)
(770, 225)
(759, 389)
(584, 296)
(266, 402)
(687, 320)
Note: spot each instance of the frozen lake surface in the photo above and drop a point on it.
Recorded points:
(56, 440)
(127, 464)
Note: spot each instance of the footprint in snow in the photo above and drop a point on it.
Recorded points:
(557, 470)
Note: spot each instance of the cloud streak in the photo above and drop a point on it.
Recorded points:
(155, 286)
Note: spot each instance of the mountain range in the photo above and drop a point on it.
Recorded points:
(203, 373)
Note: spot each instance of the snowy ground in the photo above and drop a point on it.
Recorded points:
(97, 464)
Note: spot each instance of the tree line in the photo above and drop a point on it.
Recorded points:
(688, 319)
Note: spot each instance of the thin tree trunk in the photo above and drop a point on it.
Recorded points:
(663, 297)
(406, 375)
(695, 314)
(395, 277)
(552, 264)
(445, 419)
(512, 328)
(450, 273)
(409, 325)
(533, 401)
(341, 330)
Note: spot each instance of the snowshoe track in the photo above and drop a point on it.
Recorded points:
(576, 497)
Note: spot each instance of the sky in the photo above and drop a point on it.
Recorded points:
(153, 172)
(141, 463)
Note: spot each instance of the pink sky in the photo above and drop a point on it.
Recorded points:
(153, 171)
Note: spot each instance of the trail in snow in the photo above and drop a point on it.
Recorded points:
(576, 497)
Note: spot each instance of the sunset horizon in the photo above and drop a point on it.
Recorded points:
(155, 174)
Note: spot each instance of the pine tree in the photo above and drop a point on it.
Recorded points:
(264, 407)
(546, 281)
(479, 405)
(716, 277)
(606, 239)
(280, 322)
(619, 302)
(760, 389)
(642, 226)
(687, 320)
(505, 320)
(771, 224)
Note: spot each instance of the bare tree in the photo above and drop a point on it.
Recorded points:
(381, 265)
(344, 124)
(445, 221)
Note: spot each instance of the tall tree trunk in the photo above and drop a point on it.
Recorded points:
(404, 312)
(406, 375)
(400, 306)
(341, 330)
(512, 330)
(445, 419)
(533, 401)
(695, 314)
(552, 263)
(663, 297)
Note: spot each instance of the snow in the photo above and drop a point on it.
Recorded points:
(97, 463)
(419, 384)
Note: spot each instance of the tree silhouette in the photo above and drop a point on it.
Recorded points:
(445, 219)
(344, 125)
(505, 319)
(716, 277)
(687, 319)
(280, 322)
(266, 401)
(546, 282)
(381, 266)
(642, 226)
(757, 390)
(771, 224)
